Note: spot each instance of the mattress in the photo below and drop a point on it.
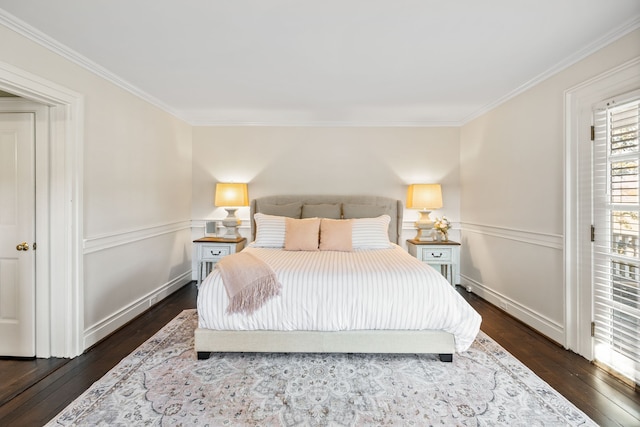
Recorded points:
(381, 289)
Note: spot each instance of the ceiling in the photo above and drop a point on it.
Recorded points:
(324, 62)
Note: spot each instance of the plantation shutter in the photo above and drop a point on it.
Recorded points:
(616, 250)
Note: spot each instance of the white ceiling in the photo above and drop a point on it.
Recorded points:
(324, 62)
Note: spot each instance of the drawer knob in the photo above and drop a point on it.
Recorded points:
(436, 256)
(218, 253)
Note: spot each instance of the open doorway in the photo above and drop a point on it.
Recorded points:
(580, 268)
(59, 324)
(615, 251)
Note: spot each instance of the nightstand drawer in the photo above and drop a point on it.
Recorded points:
(443, 254)
(436, 254)
(214, 252)
(210, 250)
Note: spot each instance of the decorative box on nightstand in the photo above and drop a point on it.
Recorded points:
(210, 250)
(445, 255)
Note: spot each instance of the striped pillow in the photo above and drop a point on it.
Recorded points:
(370, 233)
(270, 231)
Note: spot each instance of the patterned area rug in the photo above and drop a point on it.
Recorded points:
(162, 383)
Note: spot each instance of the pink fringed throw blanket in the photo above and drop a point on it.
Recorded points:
(249, 282)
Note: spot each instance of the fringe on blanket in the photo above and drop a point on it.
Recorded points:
(249, 282)
(254, 295)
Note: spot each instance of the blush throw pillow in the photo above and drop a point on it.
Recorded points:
(371, 233)
(335, 235)
(301, 234)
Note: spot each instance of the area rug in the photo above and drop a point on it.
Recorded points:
(163, 384)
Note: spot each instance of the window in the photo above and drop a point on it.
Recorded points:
(616, 250)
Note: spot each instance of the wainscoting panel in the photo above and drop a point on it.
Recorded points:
(126, 273)
(519, 271)
(103, 328)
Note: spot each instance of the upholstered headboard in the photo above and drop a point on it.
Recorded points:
(349, 206)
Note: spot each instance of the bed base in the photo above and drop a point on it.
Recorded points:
(209, 341)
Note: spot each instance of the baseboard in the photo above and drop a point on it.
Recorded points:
(102, 329)
(551, 329)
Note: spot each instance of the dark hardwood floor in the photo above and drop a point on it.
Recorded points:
(39, 403)
(605, 399)
(55, 383)
(18, 375)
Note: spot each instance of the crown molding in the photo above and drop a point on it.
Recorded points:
(31, 33)
(336, 123)
(631, 25)
(17, 25)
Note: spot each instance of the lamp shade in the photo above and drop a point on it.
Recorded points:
(424, 196)
(231, 194)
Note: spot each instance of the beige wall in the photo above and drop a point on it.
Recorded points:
(324, 160)
(136, 190)
(512, 181)
(502, 175)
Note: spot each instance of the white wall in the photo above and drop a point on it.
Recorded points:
(136, 190)
(325, 160)
(512, 180)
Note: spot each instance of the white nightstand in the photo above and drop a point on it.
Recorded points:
(210, 250)
(446, 255)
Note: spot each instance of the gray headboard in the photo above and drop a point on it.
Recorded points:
(378, 206)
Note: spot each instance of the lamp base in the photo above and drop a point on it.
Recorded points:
(231, 223)
(425, 235)
(424, 224)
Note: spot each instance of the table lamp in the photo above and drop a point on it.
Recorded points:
(231, 196)
(425, 197)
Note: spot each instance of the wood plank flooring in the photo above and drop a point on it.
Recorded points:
(47, 397)
(18, 375)
(605, 399)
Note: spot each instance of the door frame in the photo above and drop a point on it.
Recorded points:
(59, 285)
(579, 103)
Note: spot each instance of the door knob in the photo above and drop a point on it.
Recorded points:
(24, 246)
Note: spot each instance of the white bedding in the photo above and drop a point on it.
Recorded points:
(334, 291)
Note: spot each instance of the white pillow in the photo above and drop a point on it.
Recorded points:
(370, 233)
(270, 231)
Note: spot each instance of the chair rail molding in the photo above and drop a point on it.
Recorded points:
(200, 223)
(111, 240)
(536, 238)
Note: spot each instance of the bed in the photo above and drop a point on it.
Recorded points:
(374, 298)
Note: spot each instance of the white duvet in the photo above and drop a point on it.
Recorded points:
(335, 291)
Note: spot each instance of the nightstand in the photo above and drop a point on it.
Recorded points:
(210, 250)
(446, 255)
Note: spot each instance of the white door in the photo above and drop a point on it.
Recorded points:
(17, 234)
